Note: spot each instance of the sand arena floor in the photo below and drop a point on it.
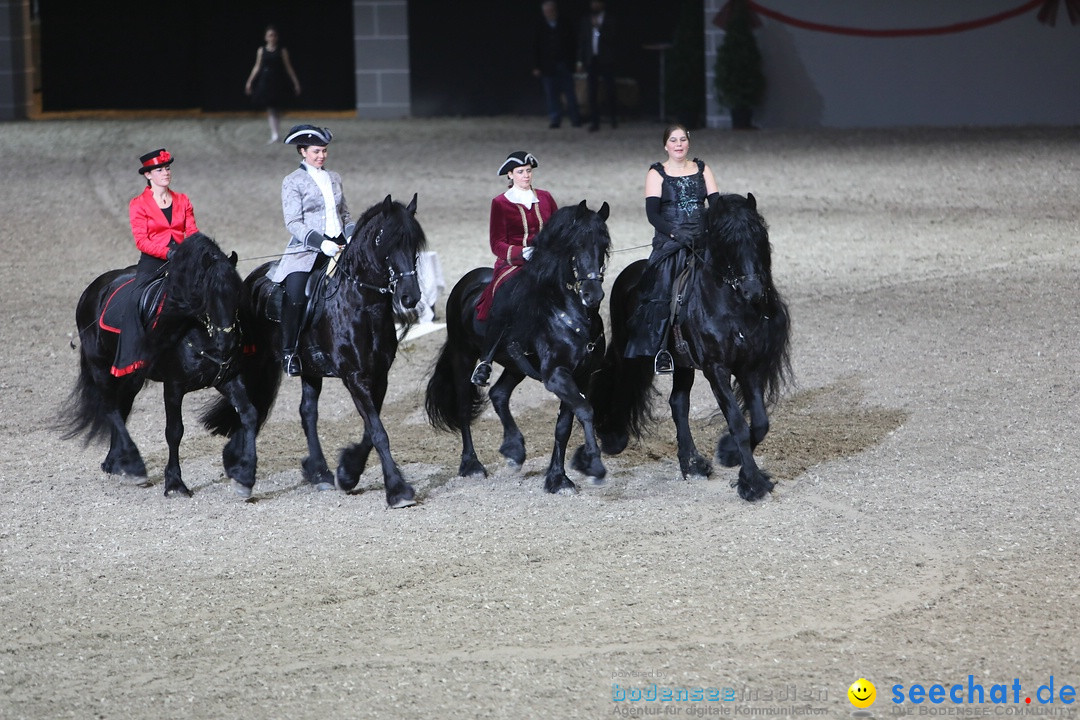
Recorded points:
(923, 528)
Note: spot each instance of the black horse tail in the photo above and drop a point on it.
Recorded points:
(261, 374)
(778, 354)
(622, 390)
(80, 414)
(441, 401)
(622, 395)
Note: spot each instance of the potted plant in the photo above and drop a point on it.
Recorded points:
(740, 82)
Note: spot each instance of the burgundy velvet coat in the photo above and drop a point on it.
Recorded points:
(513, 228)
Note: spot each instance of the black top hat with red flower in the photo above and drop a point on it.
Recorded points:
(153, 160)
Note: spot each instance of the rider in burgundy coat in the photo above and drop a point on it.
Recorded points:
(517, 216)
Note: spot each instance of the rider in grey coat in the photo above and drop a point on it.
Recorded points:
(317, 235)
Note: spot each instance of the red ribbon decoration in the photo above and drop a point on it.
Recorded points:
(160, 159)
(1047, 15)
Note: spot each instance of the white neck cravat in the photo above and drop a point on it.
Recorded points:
(322, 179)
(521, 197)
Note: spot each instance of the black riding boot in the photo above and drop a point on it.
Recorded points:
(291, 315)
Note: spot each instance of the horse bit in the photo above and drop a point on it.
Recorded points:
(211, 330)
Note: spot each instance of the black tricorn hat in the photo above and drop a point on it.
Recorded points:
(308, 135)
(153, 160)
(516, 159)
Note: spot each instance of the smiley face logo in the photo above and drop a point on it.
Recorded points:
(862, 693)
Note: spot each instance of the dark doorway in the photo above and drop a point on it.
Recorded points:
(194, 54)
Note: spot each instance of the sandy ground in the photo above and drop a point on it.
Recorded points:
(923, 529)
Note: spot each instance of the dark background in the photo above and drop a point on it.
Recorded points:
(470, 57)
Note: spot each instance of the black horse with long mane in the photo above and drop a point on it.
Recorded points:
(350, 333)
(547, 318)
(732, 323)
(194, 342)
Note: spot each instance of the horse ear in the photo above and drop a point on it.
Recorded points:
(411, 207)
(751, 201)
(716, 208)
(582, 208)
(603, 212)
(233, 258)
(387, 203)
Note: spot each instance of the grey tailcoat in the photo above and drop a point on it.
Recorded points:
(305, 218)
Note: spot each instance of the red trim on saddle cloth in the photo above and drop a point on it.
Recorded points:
(121, 372)
(101, 319)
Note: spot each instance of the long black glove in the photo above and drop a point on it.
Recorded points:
(652, 212)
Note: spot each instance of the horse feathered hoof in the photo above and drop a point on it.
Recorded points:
(472, 467)
(695, 466)
(754, 486)
(559, 484)
(180, 490)
(727, 451)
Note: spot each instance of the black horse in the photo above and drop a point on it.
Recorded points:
(350, 333)
(547, 318)
(194, 342)
(732, 323)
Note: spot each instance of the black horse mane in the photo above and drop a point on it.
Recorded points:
(543, 279)
(737, 229)
(738, 222)
(398, 231)
(200, 278)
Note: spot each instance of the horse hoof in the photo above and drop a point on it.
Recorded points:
(324, 486)
(697, 467)
(596, 481)
(567, 491)
(513, 464)
(472, 468)
(181, 491)
(401, 503)
(242, 491)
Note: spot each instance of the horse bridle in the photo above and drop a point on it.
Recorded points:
(579, 279)
(393, 277)
(211, 330)
(736, 280)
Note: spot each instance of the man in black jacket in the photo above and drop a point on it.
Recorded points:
(598, 54)
(554, 64)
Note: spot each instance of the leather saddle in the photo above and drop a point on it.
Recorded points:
(147, 299)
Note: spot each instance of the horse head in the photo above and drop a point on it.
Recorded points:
(202, 288)
(737, 247)
(592, 244)
(384, 249)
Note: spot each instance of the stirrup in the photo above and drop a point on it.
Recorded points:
(481, 373)
(290, 363)
(663, 364)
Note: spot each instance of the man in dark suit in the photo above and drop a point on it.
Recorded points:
(554, 64)
(598, 54)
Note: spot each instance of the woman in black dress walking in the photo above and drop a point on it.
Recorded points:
(269, 81)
